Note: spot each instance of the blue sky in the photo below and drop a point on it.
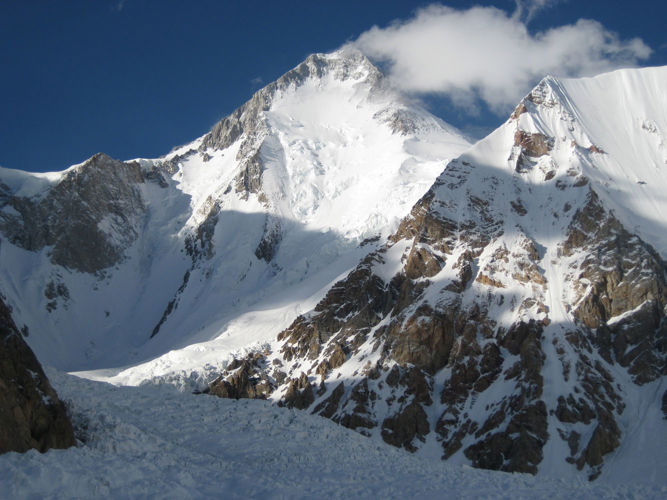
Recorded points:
(135, 78)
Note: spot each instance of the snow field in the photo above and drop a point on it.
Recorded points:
(155, 442)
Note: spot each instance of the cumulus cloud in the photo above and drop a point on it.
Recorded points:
(483, 52)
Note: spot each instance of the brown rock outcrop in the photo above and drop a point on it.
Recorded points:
(31, 415)
(243, 379)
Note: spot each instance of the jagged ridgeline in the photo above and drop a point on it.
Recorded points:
(516, 318)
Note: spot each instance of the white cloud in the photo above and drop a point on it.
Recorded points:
(526, 9)
(484, 52)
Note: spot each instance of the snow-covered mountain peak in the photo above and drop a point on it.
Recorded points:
(315, 144)
(612, 130)
(330, 245)
(347, 66)
(343, 64)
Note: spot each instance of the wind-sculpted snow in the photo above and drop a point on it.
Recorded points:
(139, 442)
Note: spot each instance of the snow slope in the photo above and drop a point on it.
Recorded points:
(149, 442)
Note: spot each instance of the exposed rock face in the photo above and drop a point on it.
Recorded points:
(299, 393)
(89, 218)
(243, 379)
(31, 415)
(409, 341)
(493, 318)
(199, 244)
(267, 247)
(445, 354)
(621, 292)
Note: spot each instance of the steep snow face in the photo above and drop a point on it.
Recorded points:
(327, 157)
(621, 115)
(514, 321)
(261, 214)
(321, 143)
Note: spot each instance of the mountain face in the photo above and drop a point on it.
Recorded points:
(516, 318)
(117, 262)
(88, 219)
(333, 247)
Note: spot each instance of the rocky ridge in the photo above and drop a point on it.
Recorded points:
(511, 313)
(88, 218)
